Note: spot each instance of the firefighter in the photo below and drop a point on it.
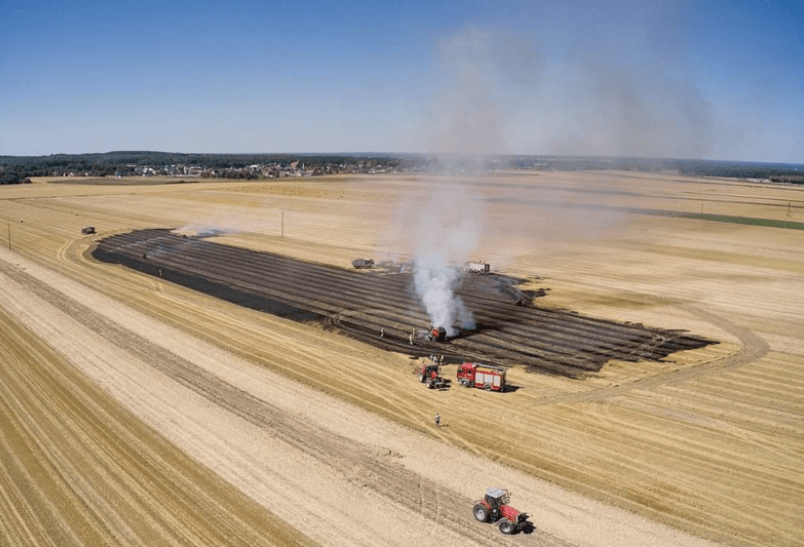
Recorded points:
(411, 339)
(382, 332)
(438, 420)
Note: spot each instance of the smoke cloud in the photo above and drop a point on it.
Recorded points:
(235, 221)
(447, 230)
(465, 126)
(473, 67)
(602, 91)
(619, 111)
(620, 83)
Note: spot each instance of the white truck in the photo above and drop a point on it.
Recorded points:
(363, 263)
(477, 267)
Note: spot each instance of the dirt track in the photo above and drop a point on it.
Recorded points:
(83, 470)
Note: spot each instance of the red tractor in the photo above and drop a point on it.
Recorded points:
(430, 373)
(494, 507)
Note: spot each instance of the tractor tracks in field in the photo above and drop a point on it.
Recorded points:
(360, 463)
(77, 468)
(753, 347)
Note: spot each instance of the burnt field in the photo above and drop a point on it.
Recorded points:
(360, 304)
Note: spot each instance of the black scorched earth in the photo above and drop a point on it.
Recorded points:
(364, 304)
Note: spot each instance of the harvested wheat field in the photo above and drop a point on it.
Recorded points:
(652, 326)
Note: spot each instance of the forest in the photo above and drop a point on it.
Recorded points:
(19, 169)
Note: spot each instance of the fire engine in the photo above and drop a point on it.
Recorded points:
(488, 377)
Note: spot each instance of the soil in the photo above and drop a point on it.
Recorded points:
(361, 304)
(137, 411)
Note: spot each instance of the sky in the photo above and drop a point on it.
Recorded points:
(680, 79)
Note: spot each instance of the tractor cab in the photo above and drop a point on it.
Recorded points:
(497, 497)
(430, 373)
(431, 369)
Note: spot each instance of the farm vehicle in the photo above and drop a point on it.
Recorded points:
(437, 334)
(477, 267)
(440, 334)
(429, 373)
(363, 263)
(488, 377)
(494, 508)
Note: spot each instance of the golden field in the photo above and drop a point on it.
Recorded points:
(138, 412)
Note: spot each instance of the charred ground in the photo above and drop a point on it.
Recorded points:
(360, 304)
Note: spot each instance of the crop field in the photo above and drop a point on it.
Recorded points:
(207, 369)
(507, 332)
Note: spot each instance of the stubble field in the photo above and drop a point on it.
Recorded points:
(136, 411)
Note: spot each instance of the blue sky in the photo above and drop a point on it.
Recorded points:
(721, 80)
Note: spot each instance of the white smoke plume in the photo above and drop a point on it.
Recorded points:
(475, 67)
(464, 126)
(235, 220)
(447, 231)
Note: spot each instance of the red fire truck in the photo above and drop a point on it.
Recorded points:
(488, 377)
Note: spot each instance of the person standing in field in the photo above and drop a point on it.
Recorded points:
(438, 419)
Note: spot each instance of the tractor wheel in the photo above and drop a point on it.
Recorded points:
(481, 513)
(507, 527)
(487, 387)
(464, 383)
(429, 383)
(421, 377)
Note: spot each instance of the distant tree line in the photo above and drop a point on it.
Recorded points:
(791, 179)
(19, 169)
(14, 174)
(775, 172)
(14, 169)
